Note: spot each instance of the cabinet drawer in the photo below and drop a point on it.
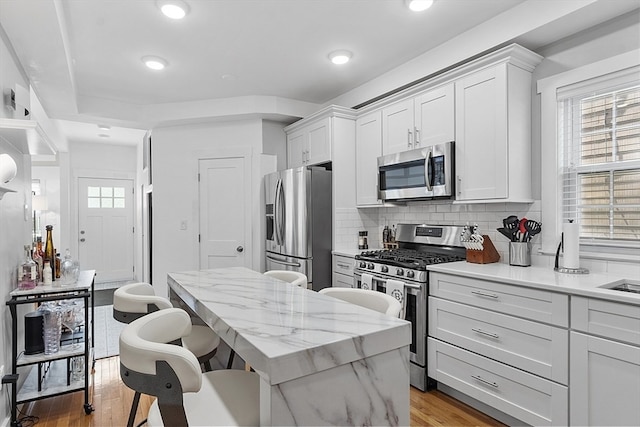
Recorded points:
(343, 264)
(527, 397)
(534, 304)
(342, 281)
(605, 318)
(531, 346)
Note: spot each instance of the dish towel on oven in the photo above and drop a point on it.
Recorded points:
(396, 289)
(366, 282)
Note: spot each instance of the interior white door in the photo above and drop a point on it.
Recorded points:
(225, 212)
(106, 232)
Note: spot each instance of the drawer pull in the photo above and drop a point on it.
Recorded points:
(482, 380)
(490, 334)
(483, 294)
(345, 266)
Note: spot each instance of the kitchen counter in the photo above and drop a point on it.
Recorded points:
(321, 360)
(543, 278)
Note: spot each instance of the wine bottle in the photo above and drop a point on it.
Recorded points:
(49, 252)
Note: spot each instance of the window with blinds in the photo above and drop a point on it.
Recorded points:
(600, 154)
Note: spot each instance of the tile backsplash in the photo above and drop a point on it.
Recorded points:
(488, 216)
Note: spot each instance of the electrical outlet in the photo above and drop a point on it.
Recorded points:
(1, 375)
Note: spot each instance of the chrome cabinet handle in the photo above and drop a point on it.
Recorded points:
(482, 380)
(417, 133)
(343, 265)
(409, 137)
(459, 185)
(489, 334)
(483, 294)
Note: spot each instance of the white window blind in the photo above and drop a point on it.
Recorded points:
(599, 125)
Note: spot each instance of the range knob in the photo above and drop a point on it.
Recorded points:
(384, 269)
(410, 274)
(370, 266)
(400, 272)
(363, 264)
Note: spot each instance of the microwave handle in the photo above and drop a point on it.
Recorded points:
(428, 172)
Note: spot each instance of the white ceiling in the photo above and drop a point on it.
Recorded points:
(83, 57)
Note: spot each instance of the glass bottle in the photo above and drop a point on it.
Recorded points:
(49, 252)
(69, 269)
(27, 271)
(58, 262)
(47, 273)
(36, 258)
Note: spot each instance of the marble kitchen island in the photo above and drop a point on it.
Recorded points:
(321, 361)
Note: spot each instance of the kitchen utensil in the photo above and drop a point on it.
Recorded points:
(506, 233)
(511, 223)
(521, 230)
(533, 228)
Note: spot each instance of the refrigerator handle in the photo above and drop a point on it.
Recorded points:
(276, 230)
(282, 219)
(279, 261)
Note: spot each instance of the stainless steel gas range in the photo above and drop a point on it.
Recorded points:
(419, 245)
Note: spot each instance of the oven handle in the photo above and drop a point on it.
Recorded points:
(358, 274)
(412, 286)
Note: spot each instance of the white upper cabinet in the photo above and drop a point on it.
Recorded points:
(310, 145)
(493, 135)
(397, 127)
(368, 149)
(423, 120)
(434, 116)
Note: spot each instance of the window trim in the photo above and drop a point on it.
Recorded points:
(551, 189)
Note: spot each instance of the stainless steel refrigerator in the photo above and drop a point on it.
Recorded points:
(298, 223)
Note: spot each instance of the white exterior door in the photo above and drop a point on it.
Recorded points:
(225, 212)
(105, 228)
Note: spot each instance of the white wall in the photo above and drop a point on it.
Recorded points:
(175, 156)
(15, 220)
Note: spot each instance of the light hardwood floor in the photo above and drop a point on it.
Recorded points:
(112, 401)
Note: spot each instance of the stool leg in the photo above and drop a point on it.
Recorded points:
(231, 357)
(207, 366)
(134, 409)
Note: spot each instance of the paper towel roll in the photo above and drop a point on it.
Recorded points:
(571, 245)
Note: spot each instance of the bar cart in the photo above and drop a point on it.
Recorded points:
(52, 376)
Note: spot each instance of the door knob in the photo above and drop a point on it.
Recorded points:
(239, 249)
(82, 240)
(81, 231)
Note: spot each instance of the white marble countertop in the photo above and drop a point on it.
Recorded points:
(591, 285)
(84, 283)
(285, 331)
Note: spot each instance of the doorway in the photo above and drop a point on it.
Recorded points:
(105, 228)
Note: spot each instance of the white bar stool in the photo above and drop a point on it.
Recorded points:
(135, 300)
(374, 300)
(185, 395)
(293, 277)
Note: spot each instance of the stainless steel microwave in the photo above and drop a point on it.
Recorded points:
(423, 173)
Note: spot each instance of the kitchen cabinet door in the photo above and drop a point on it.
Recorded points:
(605, 382)
(481, 131)
(296, 149)
(319, 142)
(368, 149)
(397, 127)
(434, 116)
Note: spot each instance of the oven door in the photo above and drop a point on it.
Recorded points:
(415, 312)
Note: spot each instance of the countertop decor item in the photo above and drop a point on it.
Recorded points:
(480, 248)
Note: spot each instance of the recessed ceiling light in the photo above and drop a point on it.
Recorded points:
(418, 5)
(104, 127)
(174, 9)
(154, 62)
(340, 57)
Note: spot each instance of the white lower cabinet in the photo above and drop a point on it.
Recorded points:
(504, 345)
(343, 271)
(527, 397)
(605, 363)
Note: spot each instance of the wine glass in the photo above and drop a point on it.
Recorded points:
(72, 318)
